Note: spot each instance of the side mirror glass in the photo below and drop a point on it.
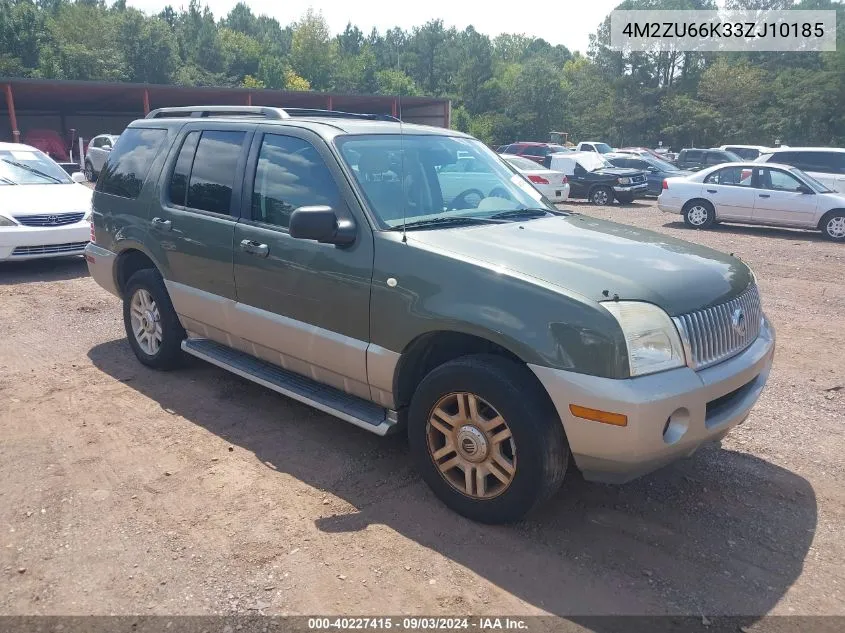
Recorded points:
(78, 177)
(320, 223)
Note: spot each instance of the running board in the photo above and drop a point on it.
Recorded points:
(357, 411)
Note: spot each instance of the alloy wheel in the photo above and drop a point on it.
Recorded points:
(146, 322)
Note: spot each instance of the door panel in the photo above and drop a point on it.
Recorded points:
(731, 194)
(301, 304)
(780, 202)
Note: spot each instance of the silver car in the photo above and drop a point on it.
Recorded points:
(98, 151)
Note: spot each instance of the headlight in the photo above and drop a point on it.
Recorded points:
(652, 339)
(4, 221)
(623, 181)
(87, 216)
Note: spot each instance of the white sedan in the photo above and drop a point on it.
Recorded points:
(755, 193)
(552, 184)
(43, 211)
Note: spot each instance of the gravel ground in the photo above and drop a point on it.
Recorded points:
(127, 491)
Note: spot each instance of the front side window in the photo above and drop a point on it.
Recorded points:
(30, 167)
(214, 169)
(403, 176)
(290, 174)
(128, 163)
(777, 180)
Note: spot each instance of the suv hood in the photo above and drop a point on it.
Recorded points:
(588, 256)
(36, 199)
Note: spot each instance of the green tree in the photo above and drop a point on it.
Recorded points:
(312, 53)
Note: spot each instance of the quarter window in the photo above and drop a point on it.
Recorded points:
(213, 173)
(130, 160)
(290, 174)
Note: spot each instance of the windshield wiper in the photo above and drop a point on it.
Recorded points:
(446, 221)
(520, 213)
(32, 170)
(7, 181)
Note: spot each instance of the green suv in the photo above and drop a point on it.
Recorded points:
(332, 258)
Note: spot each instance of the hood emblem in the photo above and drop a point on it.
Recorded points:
(52, 219)
(738, 321)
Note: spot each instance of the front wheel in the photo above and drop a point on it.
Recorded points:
(699, 215)
(601, 195)
(153, 329)
(486, 438)
(833, 226)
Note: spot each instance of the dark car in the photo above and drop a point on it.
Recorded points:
(655, 170)
(592, 177)
(538, 152)
(694, 159)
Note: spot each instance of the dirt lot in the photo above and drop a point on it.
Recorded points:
(123, 490)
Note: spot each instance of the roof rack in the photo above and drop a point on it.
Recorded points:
(261, 111)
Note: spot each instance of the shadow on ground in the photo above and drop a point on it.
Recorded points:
(792, 235)
(52, 269)
(722, 533)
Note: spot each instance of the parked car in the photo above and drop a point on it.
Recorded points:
(538, 152)
(644, 152)
(97, 153)
(695, 159)
(825, 164)
(594, 146)
(552, 184)
(592, 177)
(750, 193)
(504, 336)
(656, 170)
(43, 211)
(746, 152)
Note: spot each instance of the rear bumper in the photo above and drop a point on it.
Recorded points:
(35, 242)
(101, 263)
(669, 205)
(670, 414)
(555, 193)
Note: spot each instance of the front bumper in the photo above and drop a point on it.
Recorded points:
(670, 414)
(634, 190)
(36, 242)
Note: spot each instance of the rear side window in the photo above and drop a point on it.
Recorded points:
(691, 156)
(825, 162)
(787, 158)
(182, 170)
(738, 176)
(213, 172)
(129, 162)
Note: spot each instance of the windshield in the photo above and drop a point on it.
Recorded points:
(421, 178)
(815, 184)
(522, 164)
(603, 148)
(662, 165)
(29, 167)
(733, 157)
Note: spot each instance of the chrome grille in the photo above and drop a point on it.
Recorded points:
(638, 179)
(49, 219)
(715, 334)
(70, 247)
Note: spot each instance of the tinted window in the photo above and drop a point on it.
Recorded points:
(182, 170)
(826, 162)
(714, 158)
(740, 176)
(213, 173)
(781, 181)
(621, 162)
(787, 158)
(638, 163)
(745, 153)
(691, 156)
(98, 142)
(128, 163)
(535, 150)
(290, 174)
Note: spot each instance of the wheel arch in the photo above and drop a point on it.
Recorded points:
(823, 220)
(699, 199)
(129, 261)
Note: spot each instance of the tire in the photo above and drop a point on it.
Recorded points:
(90, 174)
(145, 291)
(625, 198)
(833, 226)
(601, 196)
(699, 214)
(533, 458)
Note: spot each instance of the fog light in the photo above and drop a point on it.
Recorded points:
(596, 415)
(676, 425)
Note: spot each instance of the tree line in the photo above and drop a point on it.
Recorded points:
(503, 88)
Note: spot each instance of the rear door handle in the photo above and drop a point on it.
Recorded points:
(255, 248)
(165, 225)
(765, 195)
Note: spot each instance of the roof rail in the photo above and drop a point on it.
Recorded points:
(208, 111)
(262, 111)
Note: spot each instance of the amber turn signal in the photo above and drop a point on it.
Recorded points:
(596, 415)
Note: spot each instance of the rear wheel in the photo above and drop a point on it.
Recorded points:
(601, 195)
(699, 214)
(152, 327)
(486, 439)
(90, 174)
(833, 226)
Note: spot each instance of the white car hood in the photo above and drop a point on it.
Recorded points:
(37, 199)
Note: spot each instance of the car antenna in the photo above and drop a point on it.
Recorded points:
(402, 168)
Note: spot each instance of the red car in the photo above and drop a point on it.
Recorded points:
(532, 150)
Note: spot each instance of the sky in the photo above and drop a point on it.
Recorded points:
(567, 22)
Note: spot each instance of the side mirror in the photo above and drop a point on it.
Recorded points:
(320, 223)
(805, 189)
(652, 170)
(78, 177)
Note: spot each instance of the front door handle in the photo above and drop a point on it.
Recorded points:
(712, 191)
(255, 248)
(765, 195)
(164, 225)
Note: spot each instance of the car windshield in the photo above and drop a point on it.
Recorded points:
(733, 157)
(815, 184)
(415, 178)
(522, 164)
(662, 165)
(30, 167)
(603, 148)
